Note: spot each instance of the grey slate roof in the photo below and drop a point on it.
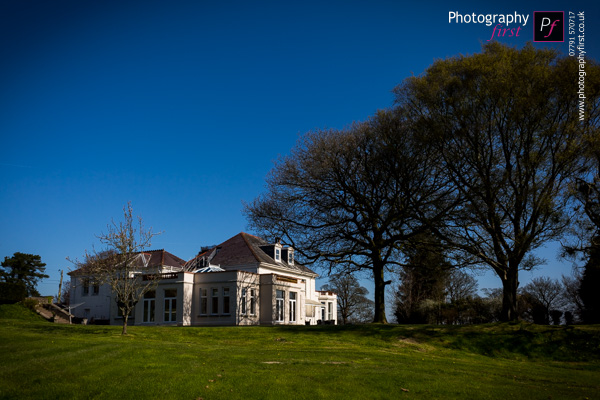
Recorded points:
(244, 249)
(158, 258)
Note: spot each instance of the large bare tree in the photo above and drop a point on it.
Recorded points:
(507, 128)
(348, 199)
(122, 263)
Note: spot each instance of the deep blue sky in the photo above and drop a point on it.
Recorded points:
(181, 106)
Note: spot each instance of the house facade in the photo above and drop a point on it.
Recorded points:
(243, 281)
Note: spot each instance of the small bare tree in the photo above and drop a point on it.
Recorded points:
(544, 294)
(122, 264)
(353, 305)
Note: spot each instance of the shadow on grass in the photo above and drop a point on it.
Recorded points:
(501, 340)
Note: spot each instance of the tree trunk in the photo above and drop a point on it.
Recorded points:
(379, 292)
(125, 318)
(510, 283)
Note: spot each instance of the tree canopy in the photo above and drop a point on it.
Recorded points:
(506, 128)
(482, 150)
(424, 277)
(25, 269)
(348, 199)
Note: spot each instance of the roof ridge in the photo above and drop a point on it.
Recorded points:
(243, 235)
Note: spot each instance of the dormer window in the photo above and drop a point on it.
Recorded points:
(290, 259)
(277, 250)
(277, 254)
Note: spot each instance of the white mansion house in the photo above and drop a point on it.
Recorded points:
(243, 281)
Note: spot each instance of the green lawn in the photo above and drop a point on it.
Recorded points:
(40, 360)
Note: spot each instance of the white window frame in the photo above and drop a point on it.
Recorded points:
(214, 301)
(292, 305)
(243, 305)
(203, 301)
(279, 306)
(170, 310)
(149, 310)
(226, 301)
(86, 286)
(253, 301)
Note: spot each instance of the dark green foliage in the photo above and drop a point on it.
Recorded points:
(23, 268)
(588, 290)
(12, 292)
(556, 316)
(569, 318)
(424, 277)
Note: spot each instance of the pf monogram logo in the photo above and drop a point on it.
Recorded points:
(548, 26)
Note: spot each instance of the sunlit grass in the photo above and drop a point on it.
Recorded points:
(516, 361)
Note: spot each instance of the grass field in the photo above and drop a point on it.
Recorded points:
(40, 360)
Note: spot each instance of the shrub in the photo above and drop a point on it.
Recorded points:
(11, 293)
(30, 303)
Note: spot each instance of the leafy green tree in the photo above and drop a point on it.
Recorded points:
(349, 199)
(26, 269)
(588, 289)
(424, 277)
(587, 231)
(507, 132)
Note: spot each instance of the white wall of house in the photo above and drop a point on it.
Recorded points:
(282, 300)
(273, 297)
(91, 300)
(169, 303)
(217, 298)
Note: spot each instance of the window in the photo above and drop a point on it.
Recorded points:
(226, 300)
(149, 306)
(86, 287)
(170, 305)
(292, 307)
(252, 302)
(243, 300)
(203, 301)
(330, 310)
(277, 254)
(96, 289)
(290, 256)
(279, 311)
(323, 311)
(215, 301)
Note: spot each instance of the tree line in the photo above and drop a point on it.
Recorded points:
(482, 156)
